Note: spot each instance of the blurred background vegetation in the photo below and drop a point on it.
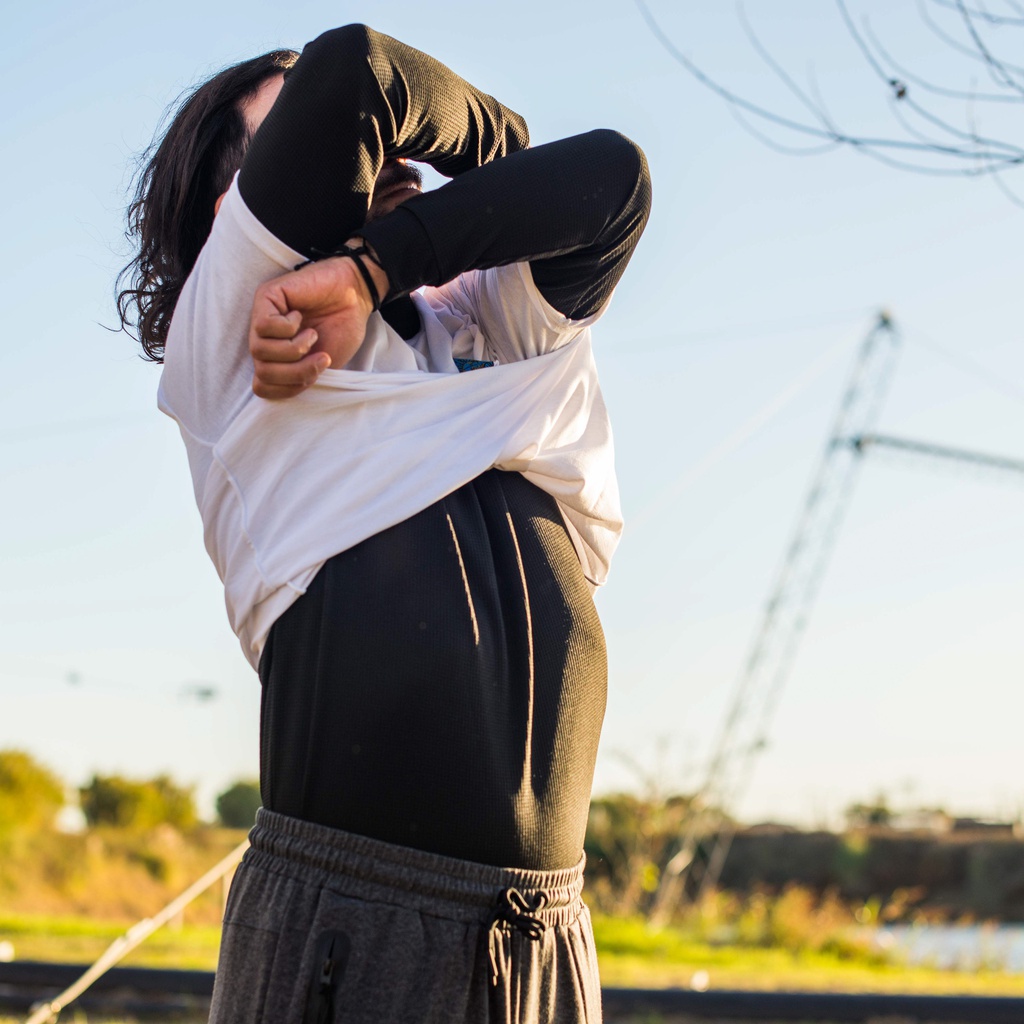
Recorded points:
(794, 909)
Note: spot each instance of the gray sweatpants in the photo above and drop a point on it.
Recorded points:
(326, 926)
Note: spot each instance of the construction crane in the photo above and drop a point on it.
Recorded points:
(978, 460)
(708, 831)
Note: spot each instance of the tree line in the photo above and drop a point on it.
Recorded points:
(630, 839)
(32, 797)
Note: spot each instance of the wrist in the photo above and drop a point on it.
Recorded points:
(374, 284)
(404, 246)
(372, 270)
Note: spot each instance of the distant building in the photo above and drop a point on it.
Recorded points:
(927, 820)
(770, 828)
(923, 819)
(986, 825)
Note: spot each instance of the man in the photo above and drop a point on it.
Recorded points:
(409, 497)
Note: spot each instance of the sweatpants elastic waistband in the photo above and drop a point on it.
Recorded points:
(371, 869)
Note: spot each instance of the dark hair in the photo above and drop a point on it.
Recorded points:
(171, 212)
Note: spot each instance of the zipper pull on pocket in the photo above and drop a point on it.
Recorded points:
(330, 958)
(326, 973)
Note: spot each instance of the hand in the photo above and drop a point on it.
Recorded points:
(306, 321)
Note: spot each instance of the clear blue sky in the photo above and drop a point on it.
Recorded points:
(757, 278)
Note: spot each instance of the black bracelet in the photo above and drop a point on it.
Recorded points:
(354, 252)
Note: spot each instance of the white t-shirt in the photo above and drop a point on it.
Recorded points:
(284, 485)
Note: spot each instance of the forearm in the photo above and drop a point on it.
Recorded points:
(354, 98)
(575, 209)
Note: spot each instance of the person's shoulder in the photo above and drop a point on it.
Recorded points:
(207, 375)
(237, 231)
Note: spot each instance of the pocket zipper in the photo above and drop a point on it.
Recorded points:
(329, 962)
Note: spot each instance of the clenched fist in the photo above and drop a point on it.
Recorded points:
(307, 320)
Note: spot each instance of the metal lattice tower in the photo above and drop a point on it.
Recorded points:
(705, 841)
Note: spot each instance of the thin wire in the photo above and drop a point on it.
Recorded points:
(908, 100)
(667, 494)
(929, 144)
(764, 329)
(939, 90)
(818, 109)
(762, 51)
(815, 87)
(867, 146)
(896, 109)
(969, 365)
(996, 175)
(942, 34)
(993, 19)
(997, 68)
(84, 681)
(866, 149)
(825, 147)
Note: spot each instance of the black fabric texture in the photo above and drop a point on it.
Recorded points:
(442, 684)
(575, 209)
(354, 98)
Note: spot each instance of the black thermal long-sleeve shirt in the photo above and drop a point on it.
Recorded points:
(385, 712)
(574, 208)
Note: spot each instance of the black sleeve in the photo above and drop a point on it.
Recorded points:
(353, 98)
(575, 209)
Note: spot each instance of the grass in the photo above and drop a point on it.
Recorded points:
(634, 955)
(631, 954)
(82, 940)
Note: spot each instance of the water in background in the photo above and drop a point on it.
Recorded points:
(956, 946)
